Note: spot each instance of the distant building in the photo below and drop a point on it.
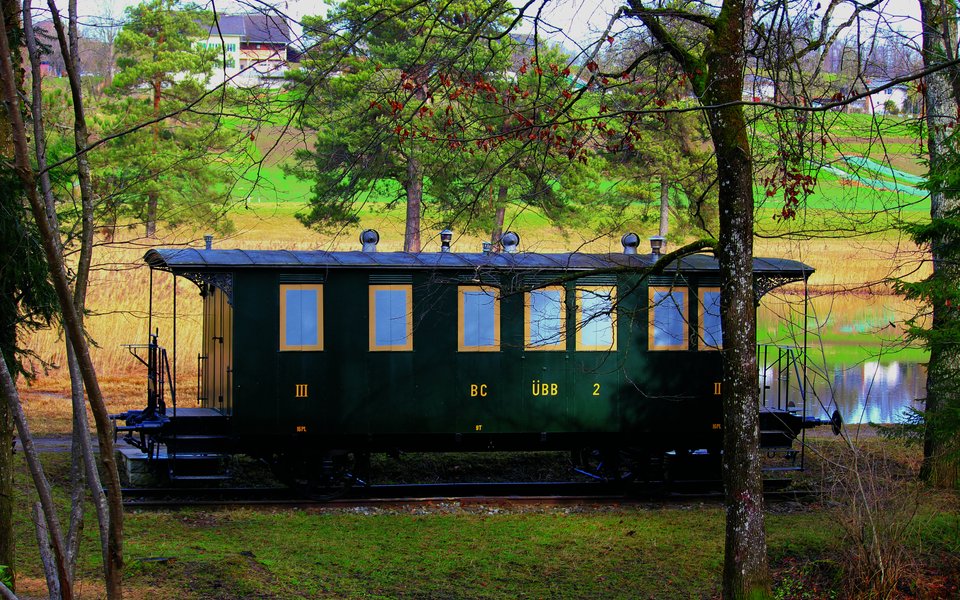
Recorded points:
(96, 57)
(255, 47)
(893, 99)
(879, 102)
(758, 89)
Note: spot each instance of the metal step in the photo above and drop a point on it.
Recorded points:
(197, 444)
(196, 467)
(174, 477)
(773, 439)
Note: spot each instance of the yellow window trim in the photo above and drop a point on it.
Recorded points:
(528, 317)
(284, 346)
(461, 294)
(408, 290)
(651, 327)
(600, 290)
(702, 341)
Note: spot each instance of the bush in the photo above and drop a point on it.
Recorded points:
(875, 506)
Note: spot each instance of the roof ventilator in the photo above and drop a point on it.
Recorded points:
(369, 238)
(510, 242)
(487, 247)
(657, 244)
(630, 243)
(208, 242)
(445, 236)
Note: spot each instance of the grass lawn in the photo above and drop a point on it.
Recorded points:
(474, 550)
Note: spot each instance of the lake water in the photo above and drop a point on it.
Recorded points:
(866, 392)
(870, 392)
(854, 332)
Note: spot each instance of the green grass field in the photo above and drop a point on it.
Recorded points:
(482, 550)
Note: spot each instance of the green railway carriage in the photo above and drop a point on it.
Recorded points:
(310, 355)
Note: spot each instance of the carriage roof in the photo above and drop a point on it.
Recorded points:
(192, 259)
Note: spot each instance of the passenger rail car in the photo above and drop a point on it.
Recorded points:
(309, 357)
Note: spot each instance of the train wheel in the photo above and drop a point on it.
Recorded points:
(700, 467)
(602, 464)
(326, 477)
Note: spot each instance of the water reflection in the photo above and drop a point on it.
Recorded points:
(853, 331)
(868, 392)
(874, 393)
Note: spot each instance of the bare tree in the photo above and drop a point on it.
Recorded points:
(40, 205)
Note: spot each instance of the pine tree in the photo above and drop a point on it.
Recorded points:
(173, 168)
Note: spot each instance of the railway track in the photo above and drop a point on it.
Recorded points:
(464, 494)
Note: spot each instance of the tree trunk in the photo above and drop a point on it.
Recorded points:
(7, 547)
(151, 217)
(48, 524)
(717, 80)
(745, 570)
(83, 460)
(943, 374)
(71, 320)
(152, 195)
(8, 333)
(664, 205)
(498, 218)
(411, 235)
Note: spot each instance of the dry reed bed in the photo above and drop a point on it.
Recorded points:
(118, 298)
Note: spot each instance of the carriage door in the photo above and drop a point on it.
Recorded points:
(216, 357)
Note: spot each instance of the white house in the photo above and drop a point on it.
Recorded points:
(877, 103)
(255, 47)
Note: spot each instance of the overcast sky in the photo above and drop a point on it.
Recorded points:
(575, 20)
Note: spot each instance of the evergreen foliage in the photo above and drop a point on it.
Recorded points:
(172, 168)
(438, 98)
(938, 294)
(27, 299)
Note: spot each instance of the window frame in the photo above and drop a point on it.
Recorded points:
(408, 290)
(284, 346)
(651, 321)
(461, 329)
(561, 344)
(701, 331)
(581, 345)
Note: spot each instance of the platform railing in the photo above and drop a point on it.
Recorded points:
(782, 377)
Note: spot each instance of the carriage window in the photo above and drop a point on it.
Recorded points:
(301, 317)
(391, 317)
(668, 318)
(711, 337)
(596, 318)
(545, 319)
(479, 327)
